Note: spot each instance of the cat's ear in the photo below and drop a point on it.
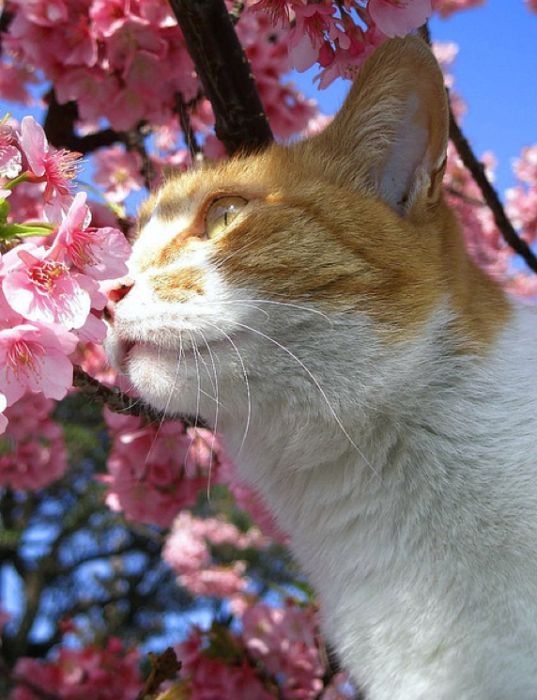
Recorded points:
(390, 137)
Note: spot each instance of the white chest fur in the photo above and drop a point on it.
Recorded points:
(421, 539)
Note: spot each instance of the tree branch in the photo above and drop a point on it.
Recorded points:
(477, 169)
(119, 402)
(224, 73)
(60, 129)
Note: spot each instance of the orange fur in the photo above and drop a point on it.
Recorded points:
(315, 228)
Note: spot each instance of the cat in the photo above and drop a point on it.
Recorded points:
(314, 302)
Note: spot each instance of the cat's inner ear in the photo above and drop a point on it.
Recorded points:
(390, 137)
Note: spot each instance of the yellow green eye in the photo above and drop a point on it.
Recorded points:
(222, 212)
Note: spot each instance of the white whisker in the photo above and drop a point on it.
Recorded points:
(215, 430)
(247, 383)
(170, 394)
(316, 382)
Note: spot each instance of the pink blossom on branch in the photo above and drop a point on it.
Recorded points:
(398, 17)
(33, 452)
(108, 672)
(55, 168)
(98, 252)
(154, 471)
(42, 288)
(10, 155)
(33, 357)
(118, 172)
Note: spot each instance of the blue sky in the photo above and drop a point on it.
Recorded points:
(495, 72)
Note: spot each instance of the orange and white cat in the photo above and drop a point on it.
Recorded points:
(315, 303)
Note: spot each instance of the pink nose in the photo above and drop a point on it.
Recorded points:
(115, 296)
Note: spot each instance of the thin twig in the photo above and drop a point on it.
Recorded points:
(60, 128)
(135, 141)
(477, 170)
(182, 110)
(120, 402)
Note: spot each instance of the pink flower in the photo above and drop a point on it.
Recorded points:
(13, 79)
(36, 454)
(448, 7)
(55, 168)
(212, 679)
(398, 17)
(45, 12)
(42, 288)
(10, 156)
(34, 358)
(284, 640)
(100, 253)
(118, 172)
(154, 471)
(101, 672)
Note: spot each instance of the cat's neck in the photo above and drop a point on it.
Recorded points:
(459, 428)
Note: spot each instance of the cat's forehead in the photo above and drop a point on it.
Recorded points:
(182, 194)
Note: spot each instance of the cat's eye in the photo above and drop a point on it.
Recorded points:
(221, 213)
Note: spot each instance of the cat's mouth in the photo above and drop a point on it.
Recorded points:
(127, 348)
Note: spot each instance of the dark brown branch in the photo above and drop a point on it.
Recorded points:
(477, 169)
(224, 73)
(60, 129)
(119, 402)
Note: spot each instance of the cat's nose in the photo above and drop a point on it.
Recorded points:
(115, 295)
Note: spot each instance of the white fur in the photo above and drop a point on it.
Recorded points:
(405, 473)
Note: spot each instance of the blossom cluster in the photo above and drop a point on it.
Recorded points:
(107, 672)
(50, 276)
(155, 471)
(275, 654)
(32, 452)
(105, 55)
(187, 551)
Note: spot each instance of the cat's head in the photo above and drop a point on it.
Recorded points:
(302, 267)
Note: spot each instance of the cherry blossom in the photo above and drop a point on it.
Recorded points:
(109, 672)
(283, 638)
(10, 155)
(55, 168)
(33, 357)
(398, 17)
(36, 456)
(42, 288)
(98, 252)
(118, 172)
(154, 471)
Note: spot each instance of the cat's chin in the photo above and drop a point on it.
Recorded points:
(155, 375)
